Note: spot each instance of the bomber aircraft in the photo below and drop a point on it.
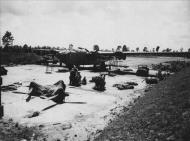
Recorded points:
(82, 56)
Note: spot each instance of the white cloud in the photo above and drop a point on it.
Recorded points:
(107, 23)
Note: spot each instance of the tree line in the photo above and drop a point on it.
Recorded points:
(124, 48)
(8, 39)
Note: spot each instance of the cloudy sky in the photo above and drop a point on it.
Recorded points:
(107, 23)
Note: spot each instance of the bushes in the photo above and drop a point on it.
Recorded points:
(19, 58)
(172, 66)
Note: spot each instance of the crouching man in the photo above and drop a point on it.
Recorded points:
(99, 82)
(75, 77)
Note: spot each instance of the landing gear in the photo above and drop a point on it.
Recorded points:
(70, 66)
(100, 67)
(94, 67)
(103, 66)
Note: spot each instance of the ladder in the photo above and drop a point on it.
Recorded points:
(49, 68)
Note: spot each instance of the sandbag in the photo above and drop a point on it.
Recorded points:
(123, 86)
(131, 83)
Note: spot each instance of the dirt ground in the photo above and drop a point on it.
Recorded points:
(85, 113)
(162, 114)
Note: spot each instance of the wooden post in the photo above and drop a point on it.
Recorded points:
(1, 106)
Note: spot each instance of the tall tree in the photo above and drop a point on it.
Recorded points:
(70, 46)
(118, 48)
(168, 50)
(7, 39)
(157, 48)
(125, 48)
(137, 49)
(145, 49)
(96, 48)
(25, 48)
(181, 49)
